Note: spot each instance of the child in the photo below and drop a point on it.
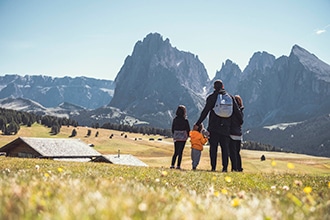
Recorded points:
(180, 131)
(198, 137)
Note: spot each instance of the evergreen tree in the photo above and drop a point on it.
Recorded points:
(3, 123)
(25, 119)
(12, 128)
(55, 129)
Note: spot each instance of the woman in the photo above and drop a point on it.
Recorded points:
(236, 137)
(180, 131)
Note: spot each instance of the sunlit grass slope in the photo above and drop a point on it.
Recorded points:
(285, 186)
(158, 152)
(46, 189)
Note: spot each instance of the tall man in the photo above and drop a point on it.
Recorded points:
(219, 127)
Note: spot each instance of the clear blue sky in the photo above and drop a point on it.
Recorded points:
(92, 38)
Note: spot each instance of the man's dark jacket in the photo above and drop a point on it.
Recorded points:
(217, 124)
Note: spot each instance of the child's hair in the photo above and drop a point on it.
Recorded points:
(181, 111)
(239, 100)
(200, 128)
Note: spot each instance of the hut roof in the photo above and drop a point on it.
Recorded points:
(123, 159)
(55, 147)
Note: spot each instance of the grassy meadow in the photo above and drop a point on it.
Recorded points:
(285, 186)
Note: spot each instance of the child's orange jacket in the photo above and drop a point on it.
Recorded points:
(197, 140)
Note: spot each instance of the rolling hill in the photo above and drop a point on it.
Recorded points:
(158, 152)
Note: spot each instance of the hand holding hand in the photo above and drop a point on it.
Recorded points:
(195, 127)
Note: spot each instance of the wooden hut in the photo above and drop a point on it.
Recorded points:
(50, 148)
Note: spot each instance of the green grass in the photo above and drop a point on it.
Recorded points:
(46, 189)
(285, 186)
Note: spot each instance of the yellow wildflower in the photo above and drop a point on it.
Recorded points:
(273, 163)
(307, 189)
(290, 165)
(235, 202)
(228, 179)
(164, 173)
(224, 191)
(60, 169)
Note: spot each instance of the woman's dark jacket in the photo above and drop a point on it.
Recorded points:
(236, 123)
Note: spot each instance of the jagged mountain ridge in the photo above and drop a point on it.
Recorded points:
(156, 78)
(281, 90)
(50, 92)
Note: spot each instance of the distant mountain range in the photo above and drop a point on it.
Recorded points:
(157, 77)
(64, 110)
(50, 92)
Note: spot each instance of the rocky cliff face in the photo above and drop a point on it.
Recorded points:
(50, 92)
(283, 91)
(157, 78)
(298, 89)
(280, 90)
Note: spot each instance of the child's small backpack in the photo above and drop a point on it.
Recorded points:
(223, 106)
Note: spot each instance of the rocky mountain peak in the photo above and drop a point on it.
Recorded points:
(305, 57)
(260, 61)
(300, 52)
(151, 44)
(228, 64)
(157, 77)
(230, 74)
(311, 62)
